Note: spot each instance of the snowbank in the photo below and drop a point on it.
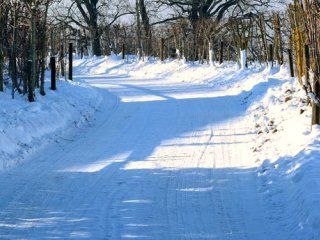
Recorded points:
(24, 126)
(287, 154)
(220, 76)
(292, 186)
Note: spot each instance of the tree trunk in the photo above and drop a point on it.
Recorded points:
(162, 49)
(278, 47)
(263, 37)
(1, 70)
(138, 31)
(61, 60)
(221, 52)
(70, 61)
(13, 57)
(146, 25)
(123, 51)
(53, 72)
(91, 18)
(210, 46)
(3, 24)
(291, 62)
(270, 56)
(243, 55)
(243, 58)
(96, 45)
(52, 43)
(29, 80)
(315, 119)
(43, 53)
(195, 44)
(33, 57)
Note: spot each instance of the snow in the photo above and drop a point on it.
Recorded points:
(243, 58)
(25, 127)
(161, 150)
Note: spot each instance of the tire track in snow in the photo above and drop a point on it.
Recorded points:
(120, 195)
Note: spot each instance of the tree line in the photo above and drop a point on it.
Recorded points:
(263, 31)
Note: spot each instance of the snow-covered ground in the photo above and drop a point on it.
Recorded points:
(173, 151)
(25, 127)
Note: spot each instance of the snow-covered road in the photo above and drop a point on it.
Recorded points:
(162, 160)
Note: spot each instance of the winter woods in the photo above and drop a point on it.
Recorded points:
(23, 48)
(207, 31)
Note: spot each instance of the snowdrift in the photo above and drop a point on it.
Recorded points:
(26, 127)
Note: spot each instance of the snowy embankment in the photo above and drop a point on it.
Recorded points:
(25, 127)
(288, 152)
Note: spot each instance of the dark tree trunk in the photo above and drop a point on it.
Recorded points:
(32, 81)
(291, 62)
(123, 51)
(138, 31)
(221, 52)
(43, 52)
(96, 45)
(61, 61)
(70, 61)
(53, 72)
(315, 119)
(263, 37)
(91, 18)
(270, 57)
(194, 22)
(278, 47)
(146, 26)
(3, 24)
(13, 62)
(1, 70)
(29, 80)
(162, 49)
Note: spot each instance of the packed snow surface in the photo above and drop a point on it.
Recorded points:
(174, 151)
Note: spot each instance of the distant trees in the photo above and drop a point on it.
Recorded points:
(208, 19)
(193, 30)
(36, 12)
(30, 30)
(94, 17)
(4, 9)
(20, 23)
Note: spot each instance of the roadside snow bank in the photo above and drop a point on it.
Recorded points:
(292, 186)
(281, 118)
(25, 126)
(220, 76)
(287, 155)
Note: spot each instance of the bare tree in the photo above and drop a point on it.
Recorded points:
(94, 16)
(146, 26)
(4, 9)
